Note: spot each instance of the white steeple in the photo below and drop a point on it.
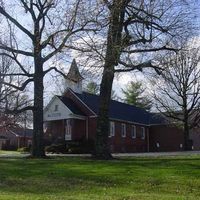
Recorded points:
(74, 79)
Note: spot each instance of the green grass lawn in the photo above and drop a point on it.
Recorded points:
(79, 178)
(3, 152)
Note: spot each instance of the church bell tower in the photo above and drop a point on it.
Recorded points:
(74, 79)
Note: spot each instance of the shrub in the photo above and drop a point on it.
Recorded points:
(56, 148)
(23, 149)
(80, 146)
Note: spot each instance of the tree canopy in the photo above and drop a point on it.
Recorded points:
(135, 95)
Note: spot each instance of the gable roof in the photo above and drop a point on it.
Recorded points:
(17, 131)
(71, 105)
(121, 111)
(24, 132)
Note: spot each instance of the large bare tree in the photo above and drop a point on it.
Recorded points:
(136, 32)
(177, 90)
(38, 30)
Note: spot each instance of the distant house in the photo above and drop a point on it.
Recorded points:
(73, 116)
(15, 137)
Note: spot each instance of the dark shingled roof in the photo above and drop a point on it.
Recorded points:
(22, 132)
(17, 130)
(71, 105)
(121, 111)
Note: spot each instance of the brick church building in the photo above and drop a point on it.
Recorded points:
(73, 117)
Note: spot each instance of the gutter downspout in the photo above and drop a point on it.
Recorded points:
(86, 128)
(148, 139)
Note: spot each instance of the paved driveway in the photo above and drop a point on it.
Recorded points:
(151, 154)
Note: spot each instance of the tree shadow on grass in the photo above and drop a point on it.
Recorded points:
(79, 174)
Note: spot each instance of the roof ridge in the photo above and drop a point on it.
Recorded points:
(117, 101)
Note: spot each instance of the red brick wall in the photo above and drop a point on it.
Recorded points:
(195, 136)
(128, 144)
(119, 143)
(78, 129)
(55, 131)
(168, 137)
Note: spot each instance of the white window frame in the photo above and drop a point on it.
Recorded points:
(68, 129)
(112, 129)
(133, 130)
(56, 108)
(142, 133)
(123, 130)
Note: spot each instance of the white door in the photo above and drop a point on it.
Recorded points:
(68, 130)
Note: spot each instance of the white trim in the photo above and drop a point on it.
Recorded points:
(60, 114)
(123, 130)
(133, 130)
(71, 115)
(130, 122)
(12, 132)
(75, 116)
(68, 130)
(143, 133)
(159, 124)
(82, 102)
(111, 129)
(93, 116)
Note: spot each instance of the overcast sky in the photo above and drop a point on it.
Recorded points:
(52, 84)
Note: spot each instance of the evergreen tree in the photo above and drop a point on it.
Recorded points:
(134, 95)
(92, 88)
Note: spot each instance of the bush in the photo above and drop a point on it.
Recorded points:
(23, 149)
(80, 146)
(75, 150)
(56, 148)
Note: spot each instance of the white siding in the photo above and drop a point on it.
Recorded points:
(61, 111)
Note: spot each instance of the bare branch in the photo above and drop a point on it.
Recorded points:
(14, 58)
(18, 111)
(14, 21)
(140, 67)
(151, 50)
(54, 68)
(19, 88)
(12, 50)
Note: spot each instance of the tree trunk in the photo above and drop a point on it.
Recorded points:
(187, 141)
(38, 143)
(114, 46)
(102, 150)
(38, 146)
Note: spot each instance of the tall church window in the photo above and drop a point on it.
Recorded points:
(68, 130)
(112, 129)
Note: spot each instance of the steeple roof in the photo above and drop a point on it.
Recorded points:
(74, 74)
